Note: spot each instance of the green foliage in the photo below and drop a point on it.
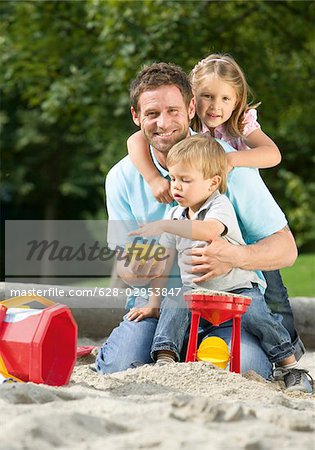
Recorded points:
(67, 66)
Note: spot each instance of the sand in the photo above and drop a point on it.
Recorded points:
(179, 406)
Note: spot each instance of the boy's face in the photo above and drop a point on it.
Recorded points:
(163, 117)
(189, 188)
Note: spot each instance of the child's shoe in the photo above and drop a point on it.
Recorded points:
(93, 367)
(164, 362)
(295, 380)
(165, 357)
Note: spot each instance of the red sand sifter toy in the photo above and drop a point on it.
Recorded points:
(216, 307)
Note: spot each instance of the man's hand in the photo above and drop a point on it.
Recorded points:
(212, 260)
(218, 258)
(138, 314)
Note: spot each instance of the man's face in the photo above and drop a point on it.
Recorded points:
(163, 117)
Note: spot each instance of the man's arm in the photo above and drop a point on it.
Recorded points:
(271, 253)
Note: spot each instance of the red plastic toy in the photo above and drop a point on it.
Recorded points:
(85, 350)
(216, 307)
(41, 345)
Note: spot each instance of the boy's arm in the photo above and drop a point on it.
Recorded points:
(196, 230)
(138, 149)
(155, 292)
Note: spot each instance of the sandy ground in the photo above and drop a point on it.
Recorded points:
(180, 406)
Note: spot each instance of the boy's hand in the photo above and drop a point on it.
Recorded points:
(149, 229)
(138, 314)
(160, 188)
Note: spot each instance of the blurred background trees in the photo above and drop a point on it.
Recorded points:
(66, 67)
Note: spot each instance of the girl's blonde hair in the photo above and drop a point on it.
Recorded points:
(203, 153)
(225, 67)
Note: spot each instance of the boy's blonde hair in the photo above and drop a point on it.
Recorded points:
(203, 153)
(225, 67)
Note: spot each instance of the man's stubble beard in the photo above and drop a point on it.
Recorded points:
(162, 149)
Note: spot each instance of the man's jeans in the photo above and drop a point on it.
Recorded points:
(276, 297)
(257, 321)
(130, 344)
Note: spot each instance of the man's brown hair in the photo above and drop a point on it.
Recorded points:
(156, 75)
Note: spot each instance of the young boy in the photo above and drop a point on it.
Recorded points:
(198, 171)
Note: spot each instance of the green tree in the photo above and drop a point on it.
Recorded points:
(67, 66)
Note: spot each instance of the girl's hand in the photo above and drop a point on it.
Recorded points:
(149, 229)
(161, 189)
(138, 314)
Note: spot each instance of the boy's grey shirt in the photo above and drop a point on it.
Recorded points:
(217, 207)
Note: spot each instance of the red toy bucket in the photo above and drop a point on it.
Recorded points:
(38, 345)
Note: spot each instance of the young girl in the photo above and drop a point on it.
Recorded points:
(221, 93)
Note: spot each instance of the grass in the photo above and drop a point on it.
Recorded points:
(300, 279)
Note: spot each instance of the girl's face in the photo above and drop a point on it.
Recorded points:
(215, 101)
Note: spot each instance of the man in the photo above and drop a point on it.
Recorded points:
(163, 105)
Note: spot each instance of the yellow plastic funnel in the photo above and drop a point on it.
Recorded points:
(214, 350)
(143, 252)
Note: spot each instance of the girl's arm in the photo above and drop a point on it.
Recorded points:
(196, 230)
(263, 152)
(138, 149)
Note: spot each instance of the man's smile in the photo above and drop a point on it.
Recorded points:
(165, 134)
